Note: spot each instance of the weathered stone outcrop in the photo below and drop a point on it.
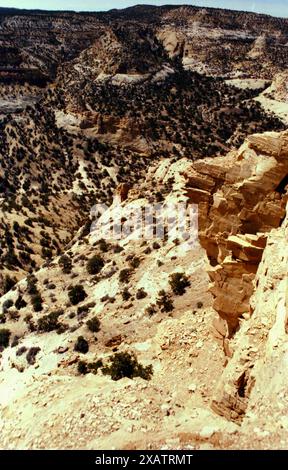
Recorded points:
(257, 372)
(241, 197)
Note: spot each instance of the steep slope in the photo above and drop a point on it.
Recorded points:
(128, 289)
(49, 180)
(128, 109)
(254, 381)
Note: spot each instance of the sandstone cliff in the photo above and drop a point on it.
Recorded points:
(254, 381)
(241, 198)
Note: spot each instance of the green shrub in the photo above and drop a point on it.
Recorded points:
(141, 294)
(49, 322)
(32, 285)
(125, 364)
(199, 305)
(95, 264)
(37, 302)
(126, 294)
(8, 283)
(31, 355)
(94, 324)
(82, 367)
(4, 337)
(125, 274)
(20, 303)
(6, 305)
(179, 282)
(151, 310)
(164, 302)
(66, 264)
(135, 262)
(77, 294)
(81, 345)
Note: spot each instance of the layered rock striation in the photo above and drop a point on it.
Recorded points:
(241, 198)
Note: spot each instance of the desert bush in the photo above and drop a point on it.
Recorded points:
(95, 264)
(117, 249)
(51, 286)
(199, 305)
(8, 283)
(125, 364)
(156, 246)
(20, 303)
(135, 262)
(21, 351)
(14, 315)
(151, 310)
(93, 324)
(47, 253)
(81, 345)
(141, 294)
(84, 368)
(29, 321)
(4, 338)
(85, 308)
(66, 264)
(15, 341)
(6, 305)
(179, 282)
(77, 294)
(49, 322)
(103, 245)
(32, 285)
(164, 302)
(37, 302)
(31, 355)
(125, 274)
(126, 294)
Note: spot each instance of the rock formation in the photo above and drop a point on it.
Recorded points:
(257, 372)
(241, 197)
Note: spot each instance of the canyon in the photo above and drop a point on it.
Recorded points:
(143, 343)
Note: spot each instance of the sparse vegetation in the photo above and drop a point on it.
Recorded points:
(125, 364)
(77, 294)
(31, 355)
(84, 367)
(151, 310)
(4, 338)
(125, 294)
(141, 294)
(49, 322)
(164, 302)
(66, 264)
(125, 275)
(93, 324)
(81, 345)
(95, 264)
(179, 282)
(37, 302)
